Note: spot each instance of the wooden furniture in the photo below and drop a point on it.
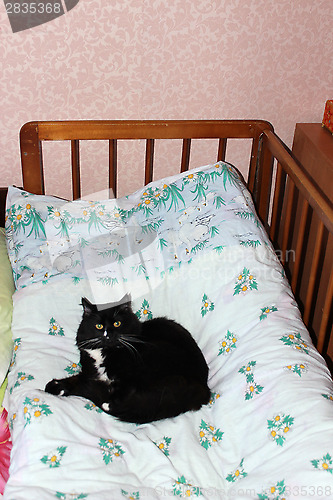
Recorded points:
(274, 179)
(313, 148)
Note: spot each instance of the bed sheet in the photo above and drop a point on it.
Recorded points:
(195, 251)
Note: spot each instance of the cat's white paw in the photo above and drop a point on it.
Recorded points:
(106, 407)
(57, 388)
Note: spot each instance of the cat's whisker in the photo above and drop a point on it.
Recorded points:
(90, 343)
(84, 343)
(131, 348)
(127, 344)
(135, 339)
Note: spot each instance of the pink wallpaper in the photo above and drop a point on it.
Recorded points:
(156, 59)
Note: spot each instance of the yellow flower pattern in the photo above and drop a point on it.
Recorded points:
(53, 459)
(111, 450)
(164, 445)
(16, 346)
(228, 343)
(279, 428)
(209, 435)
(55, 328)
(35, 410)
(185, 489)
(252, 388)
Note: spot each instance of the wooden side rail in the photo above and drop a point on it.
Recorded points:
(301, 227)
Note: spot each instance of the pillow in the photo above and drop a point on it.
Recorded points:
(130, 240)
(6, 307)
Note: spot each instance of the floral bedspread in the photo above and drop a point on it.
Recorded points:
(191, 248)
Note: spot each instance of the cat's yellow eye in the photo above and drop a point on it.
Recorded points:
(99, 326)
(117, 323)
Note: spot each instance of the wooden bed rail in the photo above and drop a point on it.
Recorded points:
(288, 203)
(304, 209)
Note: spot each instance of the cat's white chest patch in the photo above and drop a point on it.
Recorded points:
(98, 357)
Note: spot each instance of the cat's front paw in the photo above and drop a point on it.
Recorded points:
(106, 407)
(56, 387)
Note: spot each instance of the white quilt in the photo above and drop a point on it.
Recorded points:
(191, 248)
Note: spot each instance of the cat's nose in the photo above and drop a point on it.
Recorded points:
(105, 334)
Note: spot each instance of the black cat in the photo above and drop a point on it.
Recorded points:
(137, 371)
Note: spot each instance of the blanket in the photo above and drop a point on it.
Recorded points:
(190, 248)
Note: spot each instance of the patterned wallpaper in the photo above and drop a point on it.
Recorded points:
(156, 59)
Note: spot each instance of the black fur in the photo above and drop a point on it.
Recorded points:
(136, 371)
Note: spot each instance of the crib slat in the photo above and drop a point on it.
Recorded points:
(149, 160)
(325, 315)
(265, 189)
(313, 272)
(255, 151)
(186, 155)
(222, 150)
(277, 202)
(263, 182)
(286, 229)
(76, 181)
(300, 244)
(113, 167)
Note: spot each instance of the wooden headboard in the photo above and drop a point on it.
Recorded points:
(34, 133)
(286, 200)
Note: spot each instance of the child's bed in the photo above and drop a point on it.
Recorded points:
(190, 247)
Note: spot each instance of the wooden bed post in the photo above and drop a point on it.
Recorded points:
(31, 151)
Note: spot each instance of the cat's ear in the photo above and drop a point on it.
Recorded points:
(88, 307)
